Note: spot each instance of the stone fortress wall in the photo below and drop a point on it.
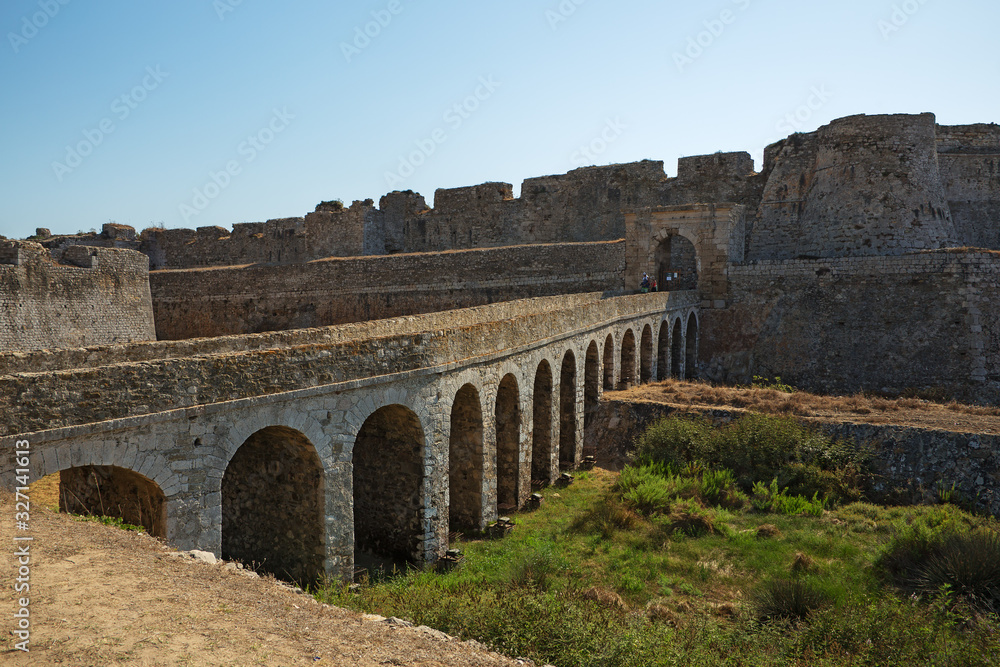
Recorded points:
(224, 301)
(861, 187)
(84, 296)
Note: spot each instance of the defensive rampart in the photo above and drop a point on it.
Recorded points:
(91, 296)
(863, 323)
(250, 299)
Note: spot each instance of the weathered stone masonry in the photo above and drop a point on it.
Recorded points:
(193, 424)
(249, 299)
(92, 296)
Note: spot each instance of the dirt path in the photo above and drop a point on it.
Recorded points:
(103, 596)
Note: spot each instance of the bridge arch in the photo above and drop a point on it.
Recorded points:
(677, 351)
(663, 351)
(466, 461)
(591, 383)
(541, 433)
(691, 347)
(567, 411)
(272, 505)
(646, 355)
(627, 373)
(388, 479)
(119, 476)
(508, 430)
(109, 490)
(609, 363)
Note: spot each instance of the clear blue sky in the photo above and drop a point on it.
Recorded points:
(183, 85)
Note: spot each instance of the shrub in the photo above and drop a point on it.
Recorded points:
(648, 489)
(761, 382)
(771, 499)
(690, 518)
(534, 570)
(606, 517)
(783, 599)
(969, 566)
(758, 448)
(604, 597)
(965, 564)
(675, 441)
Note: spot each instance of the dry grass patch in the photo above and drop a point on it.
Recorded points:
(907, 410)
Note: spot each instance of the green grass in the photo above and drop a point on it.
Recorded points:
(113, 521)
(599, 578)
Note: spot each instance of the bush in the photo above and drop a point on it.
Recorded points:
(653, 488)
(783, 599)
(963, 564)
(690, 518)
(534, 570)
(606, 517)
(758, 448)
(675, 442)
(770, 499)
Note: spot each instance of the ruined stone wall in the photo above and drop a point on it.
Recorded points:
(969, 160)
(91, 296)
(330, 231)
(252, 299)
(852, 324)
(584, 205)
(862, 185)
(715, 178)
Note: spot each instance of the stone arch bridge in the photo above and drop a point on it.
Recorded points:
(309, 451)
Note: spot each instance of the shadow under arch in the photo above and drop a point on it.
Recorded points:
(465, 461)
(663, 352)
(388, 471)
(114, 492)
(676, 261)
(646, 355)
(691, 348)
(272, 505)
(591, 383)
(508, 429)
(567, 412)
(626, 377)
(609, 363)
(541, 415)
(676, 352)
